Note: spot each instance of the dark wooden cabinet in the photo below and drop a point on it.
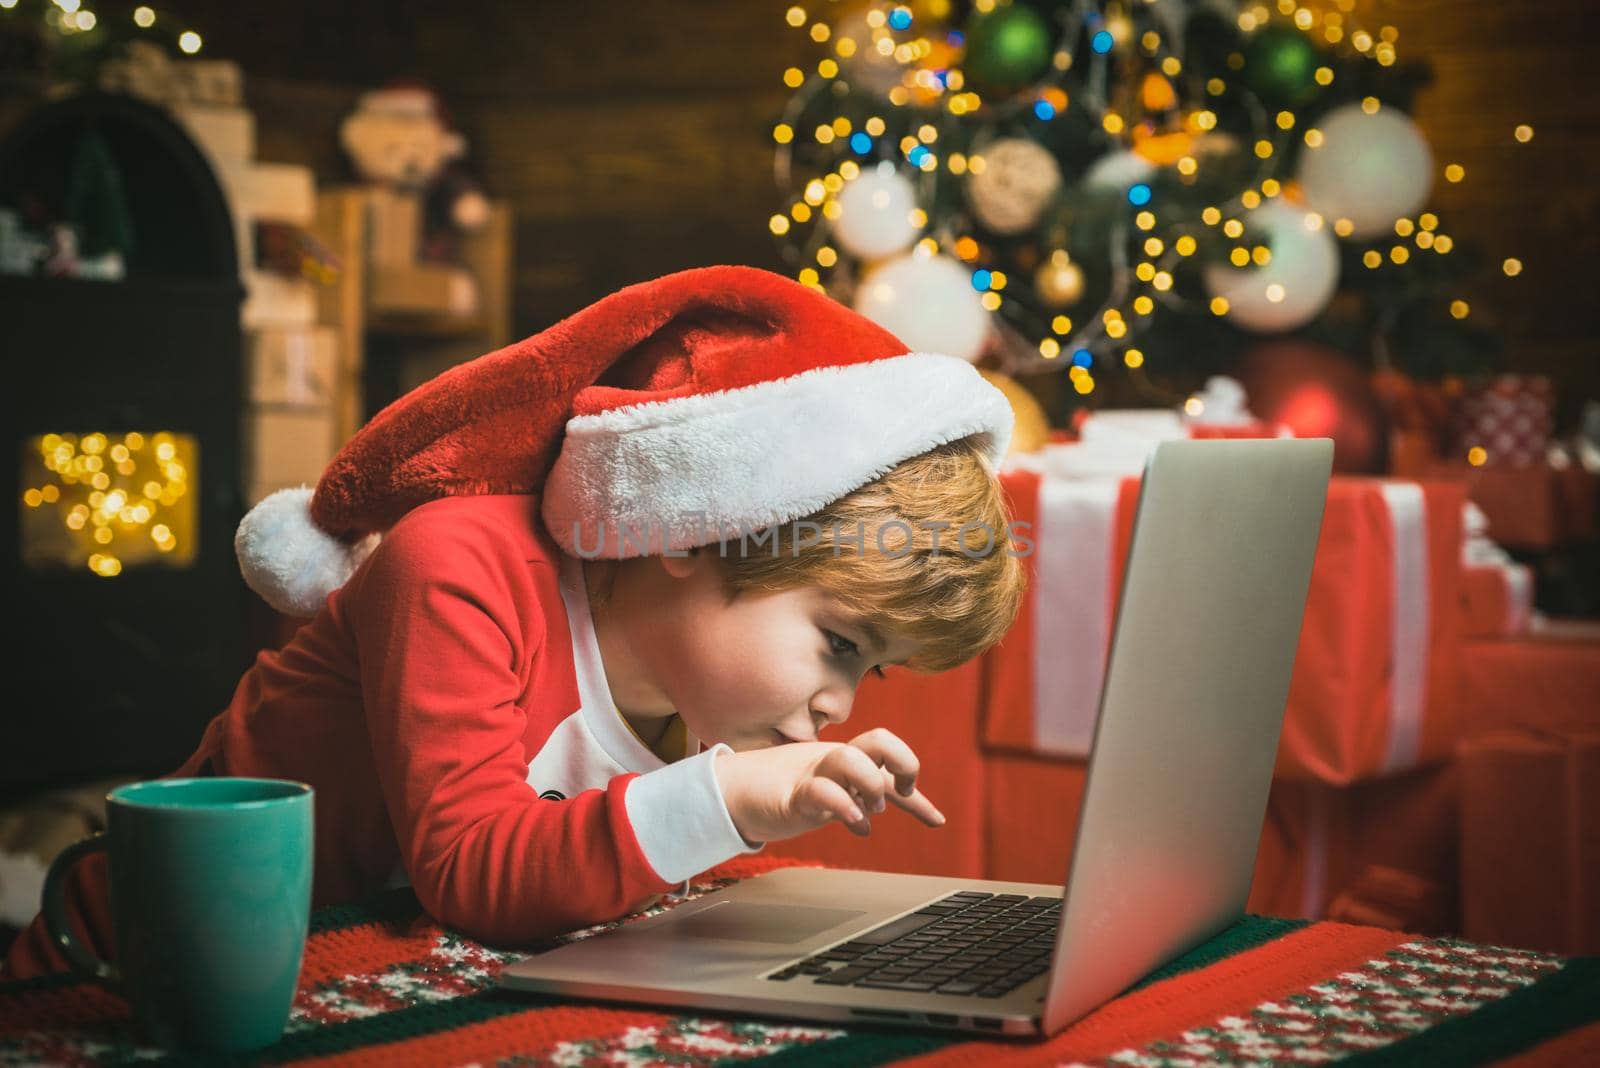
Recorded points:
(113, 673)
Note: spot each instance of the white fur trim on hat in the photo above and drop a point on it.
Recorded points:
(290, 561)
(679, 473)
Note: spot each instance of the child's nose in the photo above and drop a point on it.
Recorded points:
(830, 711)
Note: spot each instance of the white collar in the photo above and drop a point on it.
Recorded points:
(599, 709)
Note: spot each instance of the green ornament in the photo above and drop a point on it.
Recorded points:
(1008, 48)
(1280, 65)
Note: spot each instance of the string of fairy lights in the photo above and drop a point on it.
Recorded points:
(915, 66)
(114, 499)
(72, 18)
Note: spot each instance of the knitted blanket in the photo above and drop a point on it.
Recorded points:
(382, 984)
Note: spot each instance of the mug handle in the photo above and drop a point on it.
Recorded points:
(54, 907)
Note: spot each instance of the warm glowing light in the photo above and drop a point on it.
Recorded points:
(144, 17)
(189, 42)
(1477, 456)
(1454, 172)
(1460, 309)
(1512, 266)
(1523, 133)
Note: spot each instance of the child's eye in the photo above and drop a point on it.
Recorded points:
(846, 647)
(839, 645)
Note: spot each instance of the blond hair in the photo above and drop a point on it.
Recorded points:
(924, 552)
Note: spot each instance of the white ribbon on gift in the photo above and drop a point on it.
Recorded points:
(1479, 550)
(1408, 630)
(1071, 610)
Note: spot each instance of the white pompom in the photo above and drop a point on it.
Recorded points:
(290, 561)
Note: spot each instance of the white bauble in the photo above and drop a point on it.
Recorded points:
(1296, 283)
(1117, 171)
(1019, 179)
(1370, 169)
(927, 301)
(875, 213)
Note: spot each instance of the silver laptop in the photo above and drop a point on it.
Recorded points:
(1195, 689)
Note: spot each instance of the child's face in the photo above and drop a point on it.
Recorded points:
(760, 670)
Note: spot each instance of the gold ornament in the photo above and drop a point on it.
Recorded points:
(1059, 281)
(1162, 149)
(1018, 181)
(1032, 429)
(1157, 94)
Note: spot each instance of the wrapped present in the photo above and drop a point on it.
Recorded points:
(278, 192)
(1373, 690)
(286, 447)
(226, 134)
(273, 300)
(1547, 680)
(1530, 839)
(1496, 600)
(1496, 591)
(1381, 853)
(423, 289)
(394, 227)
(1510, 417)
(1535, 508)
(292, 366)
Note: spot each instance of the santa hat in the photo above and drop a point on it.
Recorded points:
(672, 413)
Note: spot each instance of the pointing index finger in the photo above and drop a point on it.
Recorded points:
(917, 804)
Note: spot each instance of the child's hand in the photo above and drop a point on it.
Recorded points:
(789, 789)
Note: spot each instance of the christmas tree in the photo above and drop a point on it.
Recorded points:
(1147, 189)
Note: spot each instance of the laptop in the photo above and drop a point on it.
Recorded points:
(1190, 712)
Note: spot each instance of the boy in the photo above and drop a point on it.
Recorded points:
(551, 692)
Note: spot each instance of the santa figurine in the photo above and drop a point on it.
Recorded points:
(400, 137)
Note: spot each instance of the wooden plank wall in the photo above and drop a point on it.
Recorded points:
(632, 139)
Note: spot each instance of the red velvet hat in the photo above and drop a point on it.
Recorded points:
(669, 414)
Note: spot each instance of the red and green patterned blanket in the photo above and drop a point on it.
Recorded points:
(384, 985)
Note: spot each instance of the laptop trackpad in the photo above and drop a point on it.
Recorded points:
(742, 921)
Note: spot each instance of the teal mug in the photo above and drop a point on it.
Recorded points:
(210, 883)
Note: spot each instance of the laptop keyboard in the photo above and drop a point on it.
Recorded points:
(970, 944)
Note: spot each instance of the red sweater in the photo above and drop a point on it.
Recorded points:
(453, 680)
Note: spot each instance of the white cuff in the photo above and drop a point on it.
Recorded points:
(681, 820)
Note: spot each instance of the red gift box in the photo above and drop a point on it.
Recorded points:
(1510, 417)
(1547, 680)
(1381, 853)
(1530, 840)
(1536, 507)
(1373, 690)
(1496, 600)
